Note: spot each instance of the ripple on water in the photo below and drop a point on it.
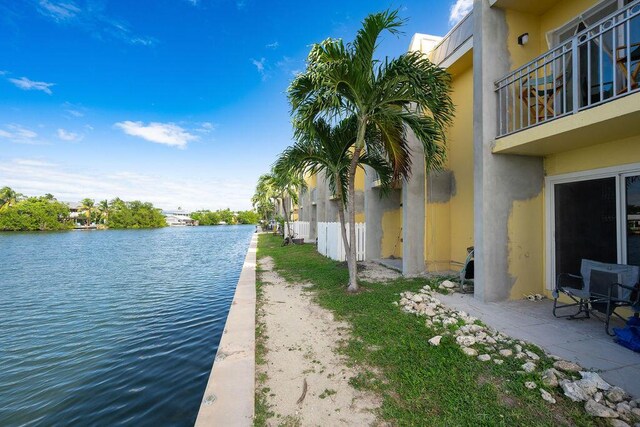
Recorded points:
(113, 327)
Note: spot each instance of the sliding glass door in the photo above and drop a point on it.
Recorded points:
(597, 219)
(632, 218)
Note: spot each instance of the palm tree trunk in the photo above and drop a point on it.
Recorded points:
(286, 220)
(343, 226)
(353, 266)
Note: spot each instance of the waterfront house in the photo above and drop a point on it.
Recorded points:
(543, 161)
(179, 218)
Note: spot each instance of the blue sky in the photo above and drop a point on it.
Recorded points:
(177, 102)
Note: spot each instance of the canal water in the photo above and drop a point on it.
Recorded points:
(115, 327)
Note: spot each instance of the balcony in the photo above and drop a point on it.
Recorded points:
(599, 65)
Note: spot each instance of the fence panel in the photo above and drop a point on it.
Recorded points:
(330, 242)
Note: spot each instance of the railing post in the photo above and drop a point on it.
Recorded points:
(575, 68)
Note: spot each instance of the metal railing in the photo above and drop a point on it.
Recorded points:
(452, 41)
(598, 65)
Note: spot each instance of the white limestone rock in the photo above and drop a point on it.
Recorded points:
(573, 391)
(563, 365)
(623, 408)
(530, 385)
(596, 409)
(618, 423)
(529, 367)
(498, 361)
(547, 396)
(532, 355)
(596, 379)
(550, 378)
(428, 311)
(465, 340)
(484, 358)
(448, 284)
(469, 351)
(616, 394)
(435, 340)
(505, 352)
(417, 298)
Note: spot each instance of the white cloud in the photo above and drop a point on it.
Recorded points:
(27, 84)
(37, 176)
(160, 133)
(19, 134)
(241, 4)
(69, 136)
(259, 64)
(3, 72)
(75, 113)
(92, 19)
(59, 11)
(273, 45)
(459, 10)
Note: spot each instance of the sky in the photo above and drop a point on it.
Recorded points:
(181, 103)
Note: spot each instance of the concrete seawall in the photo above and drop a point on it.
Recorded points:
(229, 397)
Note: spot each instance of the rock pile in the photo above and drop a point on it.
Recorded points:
(486, 344)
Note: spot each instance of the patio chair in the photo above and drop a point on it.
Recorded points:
(600, 287)
(466, 274)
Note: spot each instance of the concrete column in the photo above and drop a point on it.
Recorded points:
(413, 211)
(321, 198)
(499, 180)
(373, 214)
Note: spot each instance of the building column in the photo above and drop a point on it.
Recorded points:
(499, 180)
(373, 215)
(413, 211)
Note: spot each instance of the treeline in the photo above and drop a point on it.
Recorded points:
(134, 214)
(43, 213)
(225, 216)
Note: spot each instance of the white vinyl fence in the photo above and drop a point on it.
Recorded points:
(330, 240)
(300, 230)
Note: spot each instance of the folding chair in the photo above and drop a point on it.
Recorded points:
(600, 287)
(466, 274)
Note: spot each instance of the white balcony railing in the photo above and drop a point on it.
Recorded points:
(598, 65)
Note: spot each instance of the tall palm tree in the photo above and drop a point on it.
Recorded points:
(263, 198)
(104, 208)
(322, 148)
(390, 96)
(88, 206)
(286, 185)
(9, 197)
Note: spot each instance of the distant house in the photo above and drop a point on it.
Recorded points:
(179, 218)
(76, 214)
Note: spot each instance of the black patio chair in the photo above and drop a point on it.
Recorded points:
(467, 272)
(600, 287)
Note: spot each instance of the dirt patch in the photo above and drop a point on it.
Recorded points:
(306, 378)
(376, 273)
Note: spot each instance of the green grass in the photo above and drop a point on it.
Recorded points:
(420, 384)
(262, 408)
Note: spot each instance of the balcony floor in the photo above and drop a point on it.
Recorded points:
(581, 341)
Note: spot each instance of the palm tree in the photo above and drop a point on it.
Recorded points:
(385, 97)
(286, 184)
(9, 197)
(263, 197)
(103, 208)
(88, 206)
(322, 148)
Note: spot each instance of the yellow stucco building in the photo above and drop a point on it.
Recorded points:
(543, 164)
